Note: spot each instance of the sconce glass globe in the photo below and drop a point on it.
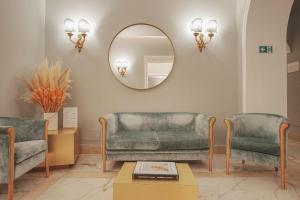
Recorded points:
(196, 25)
(211, 26)
(122, 63)
(69, 25)
(83, 26)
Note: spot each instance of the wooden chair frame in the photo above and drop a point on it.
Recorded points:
(282, 132)
(11, 177)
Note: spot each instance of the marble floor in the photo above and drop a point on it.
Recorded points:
(84, 181)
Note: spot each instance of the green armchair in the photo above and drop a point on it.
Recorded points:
(260, 138)
(23, 144)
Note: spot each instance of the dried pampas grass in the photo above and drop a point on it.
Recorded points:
(48, 87)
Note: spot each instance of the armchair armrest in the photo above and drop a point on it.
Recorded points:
(7, 141)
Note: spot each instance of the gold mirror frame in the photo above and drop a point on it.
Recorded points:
(109, 61)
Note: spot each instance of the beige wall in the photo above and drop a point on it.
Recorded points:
(265, 75)
(205, 83)
(293, 84)
(242, 9)
(22, 49)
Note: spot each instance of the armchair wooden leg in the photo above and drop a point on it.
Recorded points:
(46, 152)
(227, 163)
(282, 168)
(103, 164)
(47, 165)
(282, 174)
(10, 194)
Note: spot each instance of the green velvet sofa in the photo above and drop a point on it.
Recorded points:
(156, 136)
(259, 138)
(23, 146)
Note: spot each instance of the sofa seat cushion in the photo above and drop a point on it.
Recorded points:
(133, 140)
(177, 140)
(27, 149)
(255, 144)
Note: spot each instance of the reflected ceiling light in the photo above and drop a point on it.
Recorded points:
(83, 28)
(200, 30)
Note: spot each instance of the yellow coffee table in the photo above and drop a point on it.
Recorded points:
(125, 188)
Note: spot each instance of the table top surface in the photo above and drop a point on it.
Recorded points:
(186, 176)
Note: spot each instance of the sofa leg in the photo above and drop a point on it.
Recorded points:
(210, 162)
(276, 171)
(243, 163)
(282, 172)
(10, 194)
(227, 164)
(103, 164)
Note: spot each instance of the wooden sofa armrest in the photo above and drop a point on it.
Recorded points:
(103, 124)
(212, 121)
(228, 124)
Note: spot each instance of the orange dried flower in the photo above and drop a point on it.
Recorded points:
(48, 87)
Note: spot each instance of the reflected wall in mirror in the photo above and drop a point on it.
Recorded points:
(141, 56)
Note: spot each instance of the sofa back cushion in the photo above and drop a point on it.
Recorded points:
(156, 121)
(136, 121)
(176, 122)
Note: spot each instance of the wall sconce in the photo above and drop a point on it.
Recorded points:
(83, 29)
(122, 67)
(200, 30)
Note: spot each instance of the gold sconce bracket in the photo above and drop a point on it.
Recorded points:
(201, 43)
(122, 71)
(80, 40)
(82, 30)
(203, 32)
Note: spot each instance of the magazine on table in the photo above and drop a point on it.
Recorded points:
(155, 170)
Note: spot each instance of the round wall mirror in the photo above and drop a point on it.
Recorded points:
(141, 56)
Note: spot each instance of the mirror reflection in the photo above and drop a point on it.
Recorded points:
(141, 56)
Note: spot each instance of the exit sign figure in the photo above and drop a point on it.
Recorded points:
(265, 49)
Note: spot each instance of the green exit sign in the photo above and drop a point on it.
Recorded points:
(265, 49)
